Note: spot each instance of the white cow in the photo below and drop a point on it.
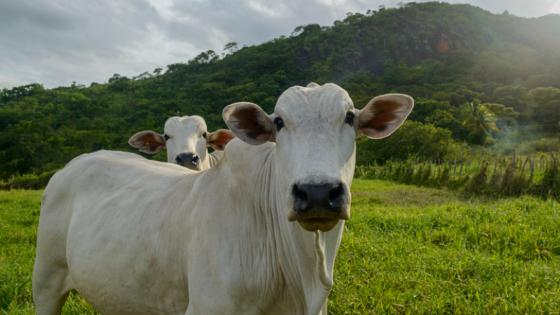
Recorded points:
(256, 234)
(186, 140)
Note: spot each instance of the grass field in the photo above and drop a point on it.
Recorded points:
(406, 250)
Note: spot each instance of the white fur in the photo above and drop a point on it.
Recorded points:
(186, 136)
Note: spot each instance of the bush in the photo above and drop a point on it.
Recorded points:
(413, 139)
(27, 181)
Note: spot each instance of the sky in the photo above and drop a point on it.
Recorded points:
(57, 42)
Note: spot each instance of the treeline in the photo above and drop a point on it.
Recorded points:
(478, 79)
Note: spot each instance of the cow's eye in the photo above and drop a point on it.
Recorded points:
(166, 137)
(349, 119)
(204, 135)
(279, 123)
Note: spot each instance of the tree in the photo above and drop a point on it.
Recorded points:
(204, 57)
(479, 121)
(545, 108)
(230, 48)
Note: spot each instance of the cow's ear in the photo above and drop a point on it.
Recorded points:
(249, 122)
(384, 114)
(147, 141)
(218, 139)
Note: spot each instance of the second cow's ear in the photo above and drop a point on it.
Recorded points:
(384, 114)
(147, 141)
(218, 139)
(249, 122)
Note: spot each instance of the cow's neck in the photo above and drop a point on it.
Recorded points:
(206, 163)
(298, 268)
(214, 158)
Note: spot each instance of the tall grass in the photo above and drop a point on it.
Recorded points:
(498, 177)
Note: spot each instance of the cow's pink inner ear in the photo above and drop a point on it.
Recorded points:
(384, 115)
(249, 122)
(219, 138)
(147, 141)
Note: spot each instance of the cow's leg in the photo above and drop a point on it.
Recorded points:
(51, 279)
(50, 289)
(324, 309)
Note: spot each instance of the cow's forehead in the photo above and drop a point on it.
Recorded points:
(326, 101)
(185, 123)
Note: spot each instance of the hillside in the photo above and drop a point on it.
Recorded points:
(473, 74)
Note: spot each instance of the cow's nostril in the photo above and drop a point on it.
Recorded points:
(300, 199)
(186, 159)
(195, 160)
(299, 194)
(336, 197)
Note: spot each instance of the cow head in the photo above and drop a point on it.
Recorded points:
(185, 139)
(314, 128)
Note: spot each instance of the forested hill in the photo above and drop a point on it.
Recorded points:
(473, 74)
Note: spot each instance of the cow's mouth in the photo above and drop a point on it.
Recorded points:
(322, 224)
(314, 221)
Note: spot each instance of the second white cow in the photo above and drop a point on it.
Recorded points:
(186, 139)
(256, 234)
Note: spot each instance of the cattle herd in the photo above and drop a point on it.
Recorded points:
(252, 230)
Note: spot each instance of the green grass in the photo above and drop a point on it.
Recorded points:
(19, 215)
(406, 250)
(426, 251)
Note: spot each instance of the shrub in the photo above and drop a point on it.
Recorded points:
(413, 139)
(27, 181)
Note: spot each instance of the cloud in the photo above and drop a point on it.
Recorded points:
(56, 42)
(518, 7)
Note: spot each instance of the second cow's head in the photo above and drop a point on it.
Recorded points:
(315, 128)
(186, 140)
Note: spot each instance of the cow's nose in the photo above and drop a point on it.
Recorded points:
(319, 197)
(187, 159)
